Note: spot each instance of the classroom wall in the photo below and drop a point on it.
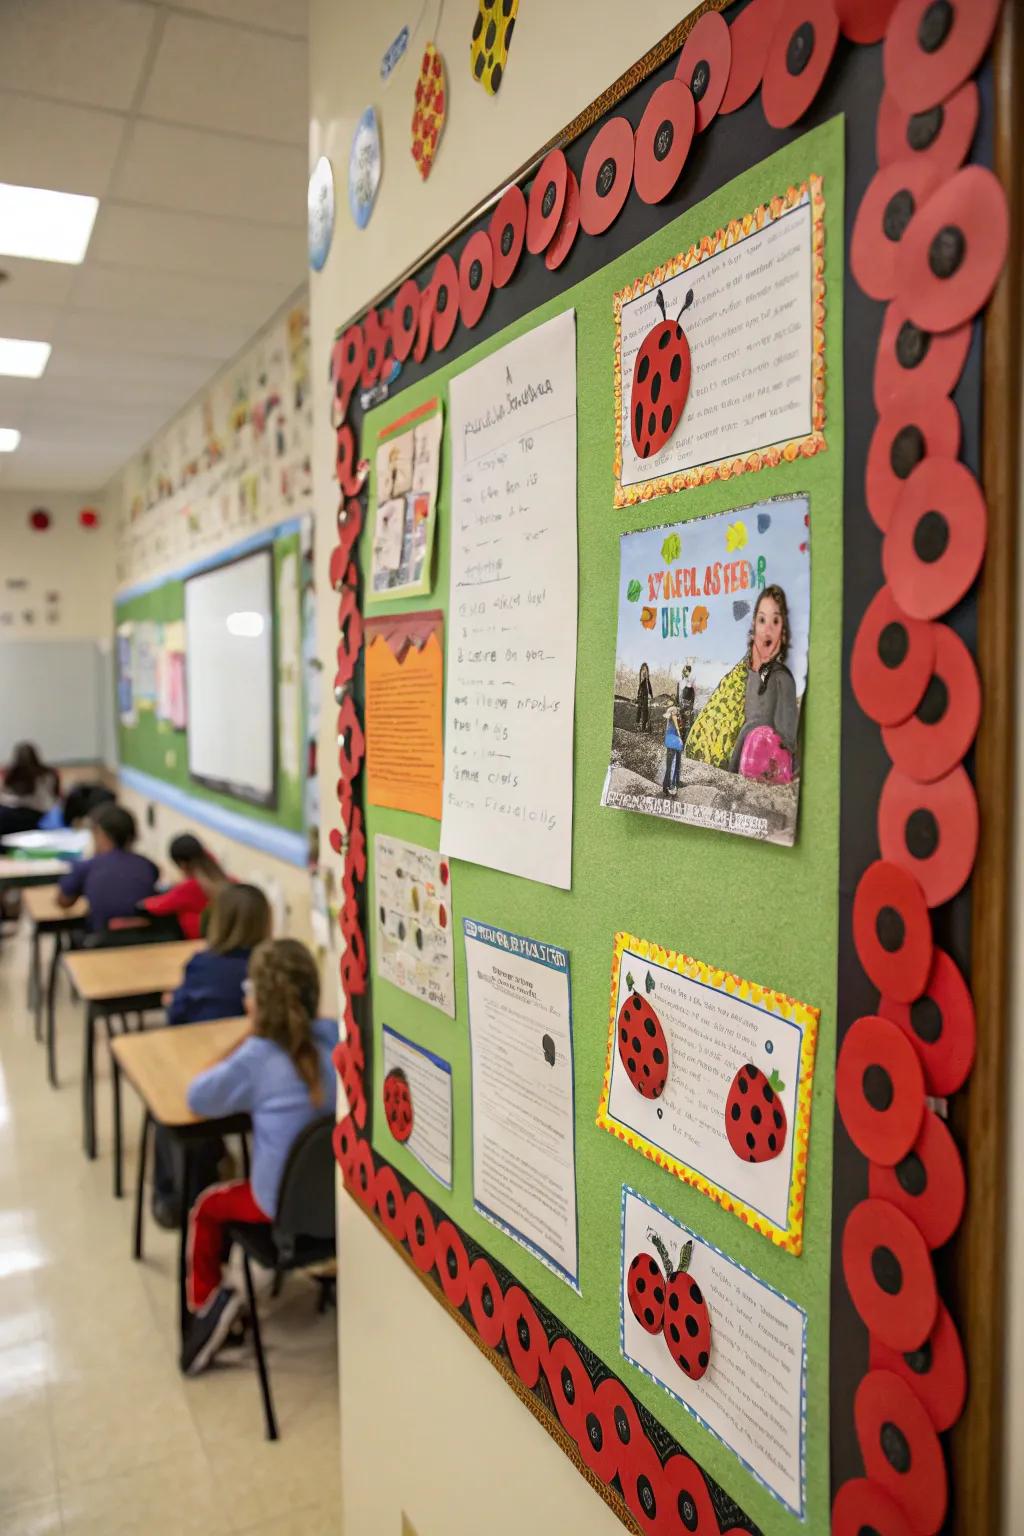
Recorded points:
(68, 569)
(455, 1452)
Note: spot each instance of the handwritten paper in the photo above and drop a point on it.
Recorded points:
(430, 1092)
(414, 950)
(524, 1139)
(403, 712)
(512, 611)
(752, 1396)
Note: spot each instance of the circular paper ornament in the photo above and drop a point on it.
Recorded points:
(935, 541)
(452, 1262)
(907, 355)
(932, 46)
(346, 366)
(939, 733)
(952, 256)
(930, 830)
(485, 1302)
(445, 286)
(425, 324)
(804, 40)
(524, 1337)
(619, 1419)
(864, 21)
(916, 424)
(39, 519)
(887, 209)
(570, 1384)
(927, 1184)
(688, 1510)
(507, 230)
(547, 199)
(940, 1025)
(892, 931)
(892, 660)
(373, 350)
(364, 1177)
(568, 226)
(901, 1450)
(643, 1487)
(889, 1275)
(405, 315)
(941, 136)
(861, 1505)
(607, 176)
(390, 1204)
(663, 140)
(880, 1089)
(597, 1443)
(750, 35)
(936, 1373)
(419, 1229)
(704, 65)
(476, 266)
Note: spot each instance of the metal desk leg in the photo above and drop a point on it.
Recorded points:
(186, 1208)
(35, 984)
(89, 1082)
(51, 1005)
(140, 1185)
(115, 1085)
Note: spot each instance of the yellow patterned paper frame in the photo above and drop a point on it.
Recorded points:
(710, 245)
(806, 1018)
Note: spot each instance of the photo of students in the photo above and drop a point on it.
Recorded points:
(644, 695)
(673, 750)
(28, 790)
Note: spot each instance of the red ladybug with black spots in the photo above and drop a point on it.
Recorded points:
(661, 382)
(755, 1119)
(645, 1289)
(398, 1104)
(687, 1322)
(643, 1049)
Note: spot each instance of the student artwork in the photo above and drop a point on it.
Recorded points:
(398, 1104)
(417, 1098)
(429, 110)
(767, 265)
(488, 47)
(709, 1086)
(404, 670)
(711, 669)
(670, 1302)
(364, 168)
(125, 654)
(320, 212)
(414, 947)
(405, 484)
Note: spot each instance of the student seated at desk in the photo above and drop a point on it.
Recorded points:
(28, 789)
(115, 879)
(189, 899)
(282, 1076)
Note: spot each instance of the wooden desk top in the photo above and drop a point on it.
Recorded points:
(31, 871)
(40, 902)
(160, 1063)
(102, 975)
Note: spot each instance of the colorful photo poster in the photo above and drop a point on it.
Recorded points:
(404, 675)
(405, 503)
(418, 1103)
(710, 1077)
(125, 675)
(711, 669)
(147, 647)
(752, 1393)
(720, 352)
(524, 1137)
(413, 898)
(512, 612)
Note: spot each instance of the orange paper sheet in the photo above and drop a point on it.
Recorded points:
(404, 674)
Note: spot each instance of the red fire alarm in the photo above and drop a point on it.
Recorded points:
(89, 517)
(39, 519)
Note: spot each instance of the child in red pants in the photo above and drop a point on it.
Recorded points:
(283, 1077)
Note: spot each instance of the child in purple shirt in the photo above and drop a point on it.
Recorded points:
(115, 880)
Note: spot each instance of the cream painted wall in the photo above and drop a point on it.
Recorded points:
(455, 1450)
(74, 562)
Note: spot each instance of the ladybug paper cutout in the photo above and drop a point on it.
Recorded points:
(661, 382)
(643, 1048)
(755, 1120)
(429, 112)
(687, 1327)
(645, 1288)
(398, 1105)
(488, 48)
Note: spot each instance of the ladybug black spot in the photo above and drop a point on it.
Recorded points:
(777, 1117)
(751, 1143)
(666, 418)
(647, 1070)
(631, 1065)
(643, 368)
(663, 340)
(649, 1026)
(623, 1034)
(692, 1327)
(652, 423)
(636, 1044)
(741, 1084)
(685, 1364)
(755, 1113)
(674, 1333)
(771, 1142)
(648, 1317)
(659, 1055)
(656, 387)
(675, 368)
(639, 413)
(695, 1294)
(647, 448)
(735, 1112)
(702, 1359)
(659, 1294)
(673, 1302)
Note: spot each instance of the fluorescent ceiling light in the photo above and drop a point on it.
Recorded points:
(45, 226)
(23, 359)
(246, 625)
(10, 437)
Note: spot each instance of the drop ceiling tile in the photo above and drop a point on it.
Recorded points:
(135, 290)
(36, 282)
(26, 322)
(85, 473)
(289, 16)
(159, 334)
(88, 51)
(95, 366)
(49, 144)
(167, 166)
(212, 75)
(184, 242)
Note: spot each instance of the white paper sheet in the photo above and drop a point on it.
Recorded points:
(752, 1395)
(430, 1089)
(413, 903)
(524, 1148)
(512, 612)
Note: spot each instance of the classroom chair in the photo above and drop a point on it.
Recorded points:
(301, 1235)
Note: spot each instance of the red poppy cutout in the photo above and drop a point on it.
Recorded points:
(800, 52)
(887, 210)
(452, 1262)
(930, 830)
(364, 1177)
(941, 136)
(928, 1184)
(908, 355)
(390, 1204)
(864, 21)
(607, 176)
(939, 733)
(345, 1139)
(751, 33)
(597, 1441)
(704, 65)
(476, 272)
(953, 255)
(688, 1510)
(643, 1487)
(931, 48)
(889, 1275)
(892, 661)
(570, 1384)
(940, 1025)
(405, 317)
(445, 286)
(485, 1302)
(918, 423)
(373, 350)
(892, 931)
(863, 1505)
(568, 226)
(507, 229)
(901, 1450)
(619, 1419)
(880, 1089)
(663, 139)
(936, 538)
(524, 1337)
(425, 324)
(547, 199)
(419, 1228)
(936, 1373)
(346, 366)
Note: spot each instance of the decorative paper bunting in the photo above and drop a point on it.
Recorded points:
(452, 1263)
(953, 254)
(704, 65)
(405, 315)
(485, 1302)
(941, 136)
(419, 1226)
(547, 199)
(804, 40)
(940, 1025)
(880, 1090)
(688, 1503)
(425, 324)
(373, 350)
(619, 1418)
(930, 830)
(507, 229)
(901, 1450)
(864, 21)
(886, 212)
(390, 1205)
(889, 1275)
(861, 1505)
(928, 1184)
(524, 1337)
(892, 931)
(936, 538)
(663, 140)
(607, 176)
(570, 1385)
(936, 1373)
(750, 35)
(892, 661)
(917, 423)
(568, 226)
(932, 46)
(476, 267)
(906, 354)
(939, 733)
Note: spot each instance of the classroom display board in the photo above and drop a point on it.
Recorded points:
(661, 520)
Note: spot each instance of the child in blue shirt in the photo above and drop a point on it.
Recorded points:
(673, 750)
(284, 1078)
(116, 879)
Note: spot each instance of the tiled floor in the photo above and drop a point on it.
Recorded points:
(98, 1430)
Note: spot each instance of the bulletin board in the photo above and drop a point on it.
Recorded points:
(152, 703)
(805, 1399)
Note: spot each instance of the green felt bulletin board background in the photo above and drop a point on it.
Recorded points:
(764, 912)
(146, 745)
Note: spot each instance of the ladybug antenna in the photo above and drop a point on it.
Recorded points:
(686, 303)
(659, 299)
(685, 1255)
(663, 1252)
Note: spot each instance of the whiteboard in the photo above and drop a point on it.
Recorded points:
(229, 649)
(52, 693)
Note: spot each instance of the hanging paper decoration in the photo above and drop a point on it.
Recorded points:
(320, 212)
(488, 48)
(364, 168)
(89, 518)
(429, 111)
(39, 519)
